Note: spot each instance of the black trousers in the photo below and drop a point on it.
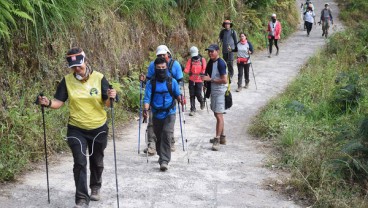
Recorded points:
(164, 129)
(79, 140)
(243, 69)
(195, 91)
(229, 57)
(309, 26)
(271, 41)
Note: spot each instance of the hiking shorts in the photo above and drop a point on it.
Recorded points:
(218, 103)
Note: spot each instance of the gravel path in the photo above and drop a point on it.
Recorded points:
(235, 176)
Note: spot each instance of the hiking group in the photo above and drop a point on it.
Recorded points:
(88, 92)
(309, 17)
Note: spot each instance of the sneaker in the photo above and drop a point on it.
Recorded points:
(81, 204)
(223, 139)
(163, 166)
(212, 140)
(151, 151)
(239, 89)
(202, 105)
(216, 144)
(95, 194)
(192, 113)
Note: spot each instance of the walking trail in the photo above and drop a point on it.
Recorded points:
(232, 177)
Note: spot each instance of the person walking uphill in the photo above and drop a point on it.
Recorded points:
(216, 84)
(88, 92)
(228, 39)
(244, 49)
(274, 34)
(160, 93)
(326, 17)
(175, 71)
(195, 66)
(309, 18)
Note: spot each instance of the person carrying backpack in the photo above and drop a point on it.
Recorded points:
(160, 96)
(326, 17)
(228, 39)
(195, 66)
(175, 71)
(216, 81)
(309, 18)
(244, 49)
(274, 34)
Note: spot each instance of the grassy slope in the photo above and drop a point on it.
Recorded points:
(320, 124)
(119, 37)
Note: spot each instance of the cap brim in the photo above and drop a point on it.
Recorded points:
(160, 52)
(194, 54)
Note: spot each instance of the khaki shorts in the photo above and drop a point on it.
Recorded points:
(218, 103)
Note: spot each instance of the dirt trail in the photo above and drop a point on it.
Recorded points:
(231, 177)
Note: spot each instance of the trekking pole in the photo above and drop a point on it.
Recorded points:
(205, 100)
(146, 139)
(185, 102)
(45, 146)
(140, 115)
(113, 139)
(254, 77)
(181, 127)
(186, 139)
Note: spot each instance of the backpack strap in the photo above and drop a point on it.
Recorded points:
(169, 89)
(171, 63)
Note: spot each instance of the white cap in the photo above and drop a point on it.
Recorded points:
(273, 15)
(193, 51)
(162, 49)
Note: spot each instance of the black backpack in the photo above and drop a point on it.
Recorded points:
(169, 88)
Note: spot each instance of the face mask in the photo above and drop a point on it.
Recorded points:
(161, 74)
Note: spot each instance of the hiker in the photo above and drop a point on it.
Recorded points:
(88, 92)
(175, 71)
(274, 33)
(326, 17)
(309, 17)
(216, 84)
(308, 4)
(244, 49)
(195, 66)
(228, 39)
(160, 94)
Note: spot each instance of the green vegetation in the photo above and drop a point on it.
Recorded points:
(119, 37)
(320, 123)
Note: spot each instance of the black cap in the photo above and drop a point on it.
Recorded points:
(213, 47)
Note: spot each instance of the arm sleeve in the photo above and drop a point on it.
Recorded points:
(236, 47)
(176, 88)
(235, 38)
(61, 92)
(151, 70)
(104, 88)
(221, 66)
(204, 65)
(187, 66)
(177, 72)
(250, 47)
(147, 93)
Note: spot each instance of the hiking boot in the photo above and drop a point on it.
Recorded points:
(277, 52)
(95, 194)
(246, 85)
(269, 55)
(81, 204)
(151, 151)
(192, 113)
(223, 139)
(239, 89)
(163, 166)
(216, 144)
(202, 105)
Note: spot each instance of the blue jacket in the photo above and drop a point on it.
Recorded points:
(177, 73)
(161, 98)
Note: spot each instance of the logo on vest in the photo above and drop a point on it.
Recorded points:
(93, 92)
